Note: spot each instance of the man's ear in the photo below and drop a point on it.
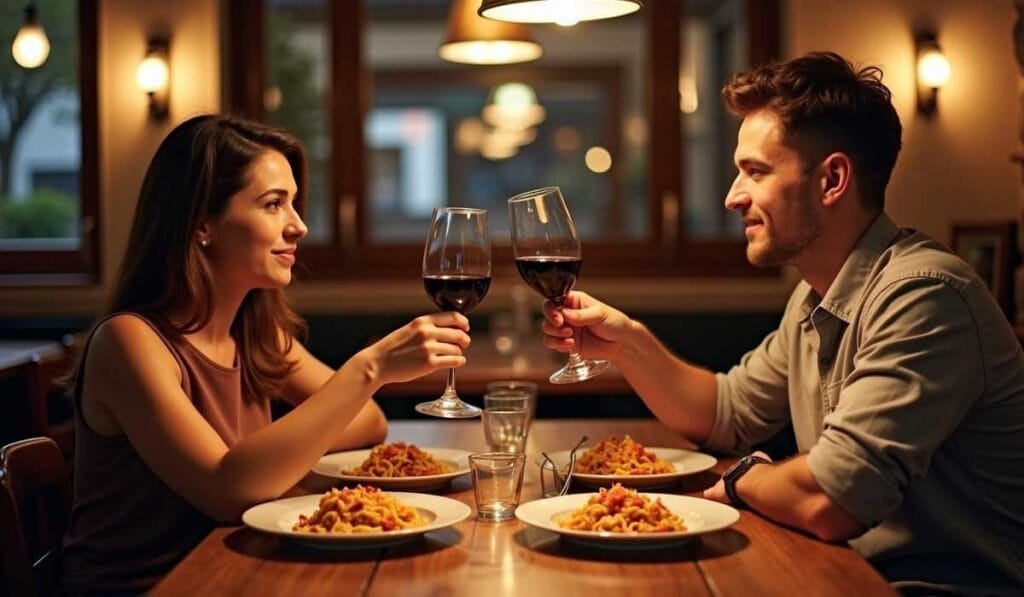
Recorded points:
(836, 180)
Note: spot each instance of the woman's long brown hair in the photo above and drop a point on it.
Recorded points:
(196, 170)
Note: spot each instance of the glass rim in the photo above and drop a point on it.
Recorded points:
(506, 409)
(460, 210)
(534, 193)
(498, 456)
(511, 384)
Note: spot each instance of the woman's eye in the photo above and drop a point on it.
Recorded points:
(273, 205)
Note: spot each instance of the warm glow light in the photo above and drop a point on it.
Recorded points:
(471, 39)
(31, 46)
(567, 139)
(933, 68)
(563, 12)
(469, 134)
(687, 94)
(513, 105)
(932, 73)
(152, 75)
(493, 149)
(490, 52)
(598, 159)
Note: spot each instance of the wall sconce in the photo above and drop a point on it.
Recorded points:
(474, 40)
(31, 47)
(562, 12)
(932, 72)
(154, 77)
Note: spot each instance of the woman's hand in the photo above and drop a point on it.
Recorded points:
(596, 330)
(426, 344)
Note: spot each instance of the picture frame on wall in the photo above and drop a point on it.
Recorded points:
(991, 249)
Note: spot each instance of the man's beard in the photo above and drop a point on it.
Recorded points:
(773, 253)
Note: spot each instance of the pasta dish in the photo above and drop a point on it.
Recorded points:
(621, 457)
(621, 510)
(398, 459)
(359, 510)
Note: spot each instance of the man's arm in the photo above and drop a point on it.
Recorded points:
(788, 493)
(681, 395)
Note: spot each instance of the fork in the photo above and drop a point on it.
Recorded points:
(572, 465)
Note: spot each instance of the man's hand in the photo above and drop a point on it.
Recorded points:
(596, 330)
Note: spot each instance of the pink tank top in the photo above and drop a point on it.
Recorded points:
(127, 528)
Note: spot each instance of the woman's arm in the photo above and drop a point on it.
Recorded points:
(369, 426)
(134, 383)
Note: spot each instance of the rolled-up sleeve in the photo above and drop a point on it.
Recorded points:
(917, 371)
(753, 397)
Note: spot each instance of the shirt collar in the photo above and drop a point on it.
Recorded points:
(845, 292)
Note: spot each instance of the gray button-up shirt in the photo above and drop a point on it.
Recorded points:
(905, 387)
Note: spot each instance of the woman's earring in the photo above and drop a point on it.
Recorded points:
(204, 243)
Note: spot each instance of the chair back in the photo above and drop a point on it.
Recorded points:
(35, 501)
(52, 413)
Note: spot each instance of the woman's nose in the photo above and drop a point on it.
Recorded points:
(297, 228)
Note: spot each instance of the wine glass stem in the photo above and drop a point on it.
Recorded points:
(449, 389)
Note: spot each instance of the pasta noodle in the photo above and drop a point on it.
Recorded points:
(359, 510)
(621, 510)
(625, 457)
(398, 459)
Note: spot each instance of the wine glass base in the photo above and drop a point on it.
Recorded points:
(447, 409)
(579, 371)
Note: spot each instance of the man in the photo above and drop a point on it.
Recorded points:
(902, 378)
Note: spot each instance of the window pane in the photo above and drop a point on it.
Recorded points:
(297, 78)
(714, 47)
(40, 135)
(443, 134)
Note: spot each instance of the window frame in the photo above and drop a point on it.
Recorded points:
(667, 252)
(72, 266)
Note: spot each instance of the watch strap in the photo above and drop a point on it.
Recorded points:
(736, 471)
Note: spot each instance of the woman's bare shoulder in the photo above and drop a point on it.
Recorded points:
(127, 340)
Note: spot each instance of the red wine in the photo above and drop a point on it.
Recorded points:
(456, 293)
(552, 277)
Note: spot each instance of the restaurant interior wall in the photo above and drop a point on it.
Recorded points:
(952, 167)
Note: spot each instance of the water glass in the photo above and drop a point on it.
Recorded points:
(497, 482)
(515, 385)
(505, 428)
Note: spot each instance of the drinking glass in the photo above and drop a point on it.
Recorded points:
(505, 428)
(549, 257)
(497, 483)
(456, 276)
(497, 389)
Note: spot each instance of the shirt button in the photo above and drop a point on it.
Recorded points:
(825, 361)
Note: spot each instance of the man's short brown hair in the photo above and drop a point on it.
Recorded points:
(825, 104)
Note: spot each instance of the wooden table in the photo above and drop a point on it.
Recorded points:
(754, 557)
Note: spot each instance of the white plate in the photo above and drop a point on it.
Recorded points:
(278, 517)
(699, 516)
(331, 465)
(685, 462)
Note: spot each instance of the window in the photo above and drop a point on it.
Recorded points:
(632, 133)
(48, 158)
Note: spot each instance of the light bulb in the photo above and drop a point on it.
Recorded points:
(933, 68)
(31, 46)
(152, 74)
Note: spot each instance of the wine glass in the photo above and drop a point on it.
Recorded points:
(549, 258)
(456, 276)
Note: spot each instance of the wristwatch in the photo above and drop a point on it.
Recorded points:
(733, 474)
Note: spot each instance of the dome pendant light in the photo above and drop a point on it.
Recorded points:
(474, 40)
(562, 12)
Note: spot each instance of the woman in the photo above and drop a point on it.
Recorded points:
(173, 387)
